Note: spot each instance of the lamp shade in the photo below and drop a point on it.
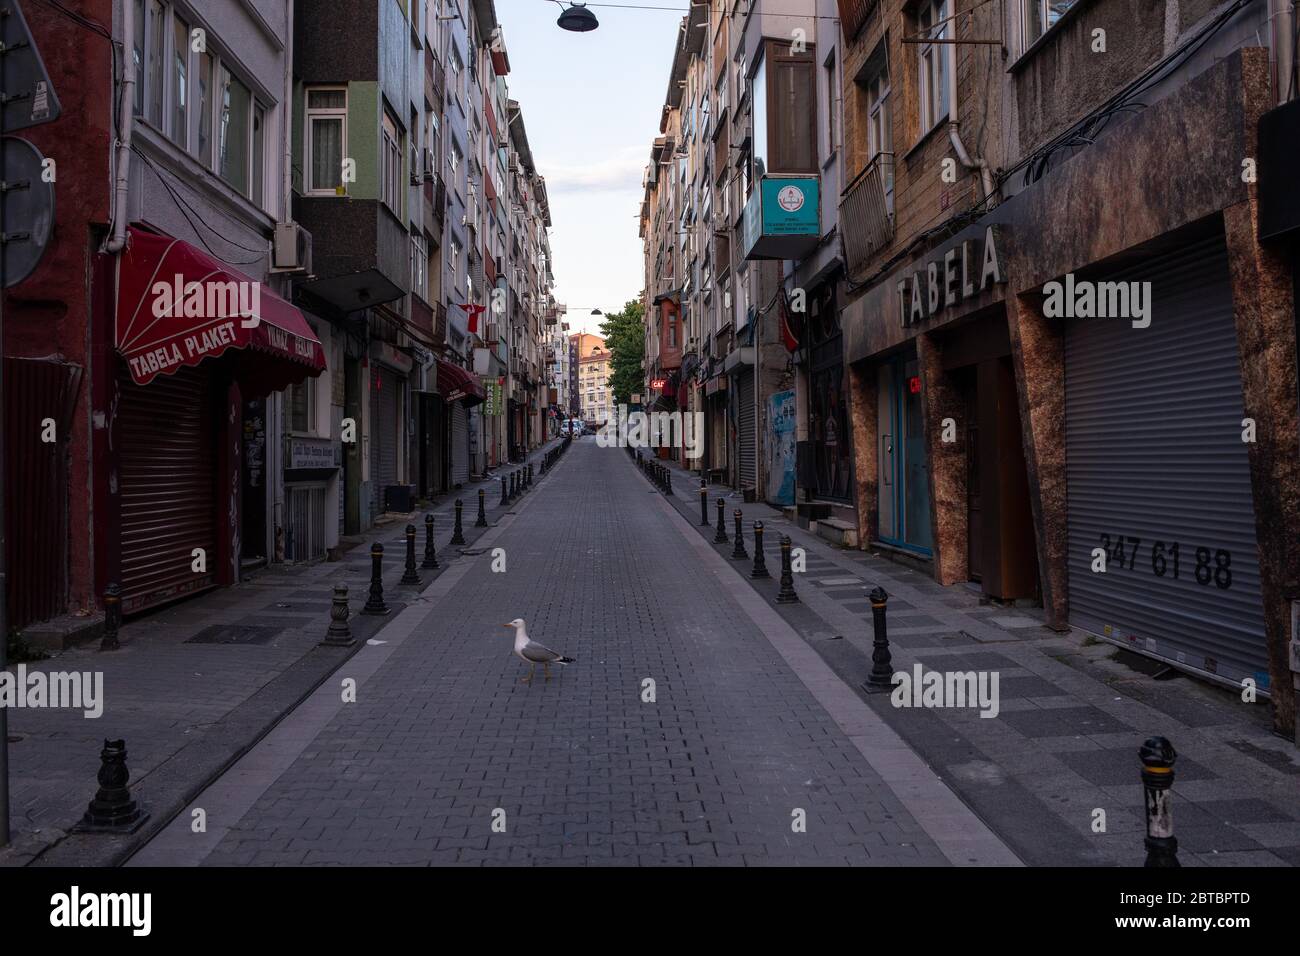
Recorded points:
(578, 19)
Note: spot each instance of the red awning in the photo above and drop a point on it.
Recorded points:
(455, 384)
(177, 306)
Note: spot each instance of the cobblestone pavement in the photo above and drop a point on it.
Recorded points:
(1074, 711)
(187, 707)
(444, 739)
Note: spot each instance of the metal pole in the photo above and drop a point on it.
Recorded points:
(4, 570)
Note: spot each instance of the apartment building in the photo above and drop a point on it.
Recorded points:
(1118, 459)
(594, 398)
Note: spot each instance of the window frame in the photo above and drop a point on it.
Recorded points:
(311, 113)
(391, 188)
(934, 66)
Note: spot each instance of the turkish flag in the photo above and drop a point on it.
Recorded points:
(473, 311)
(791, 325)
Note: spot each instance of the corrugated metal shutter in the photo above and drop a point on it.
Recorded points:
(747, 427)
(385, 384)
(1155, 460)
(36, 485)
(459, 444)
(168, 481)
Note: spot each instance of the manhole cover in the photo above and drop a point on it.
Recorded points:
(234, 634)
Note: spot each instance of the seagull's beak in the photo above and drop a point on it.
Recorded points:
(507, 625)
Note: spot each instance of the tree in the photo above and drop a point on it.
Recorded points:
(624, 334)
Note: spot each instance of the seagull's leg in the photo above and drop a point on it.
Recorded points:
(546, 666)
(529, 678)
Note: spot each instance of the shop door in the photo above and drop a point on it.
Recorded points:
(1158, 474)
(384, 385)
(904, 466)
(459, 444)
(168, 486)
(828, 422)
(747, 431)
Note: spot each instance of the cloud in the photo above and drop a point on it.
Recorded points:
(619, 172)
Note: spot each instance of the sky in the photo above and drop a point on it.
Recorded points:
(591, 104)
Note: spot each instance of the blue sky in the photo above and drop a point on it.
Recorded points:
(591, 104)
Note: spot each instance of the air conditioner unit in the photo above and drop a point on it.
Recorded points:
(430, 166)
(291, 250)
(500, 264)
(490, 332)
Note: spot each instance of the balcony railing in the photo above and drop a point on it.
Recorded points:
(866, 222)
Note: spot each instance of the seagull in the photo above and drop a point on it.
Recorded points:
(533, 653)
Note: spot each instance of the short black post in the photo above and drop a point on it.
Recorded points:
(668, 482)
(482, 514)
(339, 633)
(1157, 756)
(112, 618)
(882, 665)
(375, 600)
(113, 809)
(530, 474)
(505, 494)
(704, 504)
(514, 485)
(720, 537)
(786, 595)
(760, 560)
(430, 548)
(457, 533)
(738, 552)
(409, 575)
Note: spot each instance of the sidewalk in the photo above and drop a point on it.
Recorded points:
(1074, 711)
(197, 684)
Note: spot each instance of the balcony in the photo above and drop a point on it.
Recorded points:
(782, 219)
(854, 15)
(866, 222)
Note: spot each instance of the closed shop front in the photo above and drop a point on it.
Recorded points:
(387, 390)
(168, 479)
(1158, 476)
(459, 444)
(746, 428)
(904, 480)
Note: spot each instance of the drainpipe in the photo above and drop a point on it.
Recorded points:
(986, 177)
(287, 122)
(122, 165)
(1282, 16)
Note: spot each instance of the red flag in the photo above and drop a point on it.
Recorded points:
(791, 326)
(473, 311)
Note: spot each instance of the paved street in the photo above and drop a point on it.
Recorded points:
(444, 734)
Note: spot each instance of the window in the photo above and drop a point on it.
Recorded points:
(180, 81)
(326, 139)
(832, 133)
(203, 139)
(1039, 16)
(935, 64)
(157, 37)
(233, 135)
(137, 54)
(301, 407)
(259, 155)
(392, 169)
(419, 266)
(880, 128)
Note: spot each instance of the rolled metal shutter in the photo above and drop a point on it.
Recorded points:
(1154, 459)
(383, 434)
(747, 428)
(459, 444)
(168, 480)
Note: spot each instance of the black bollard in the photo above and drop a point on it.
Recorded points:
(113, 809)
(738, 553)
(760, 560)
(430, 548)
(704, 503)
(112, 618)
(457, 534)
(668, 482)
(882, 665)
(409, 575)
(1157, 756)
(786, 595)
(530, 474)
(505, 495)
(375, 600)
(720, 537)
(514, 485)
(339, 633)
(482, 514)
